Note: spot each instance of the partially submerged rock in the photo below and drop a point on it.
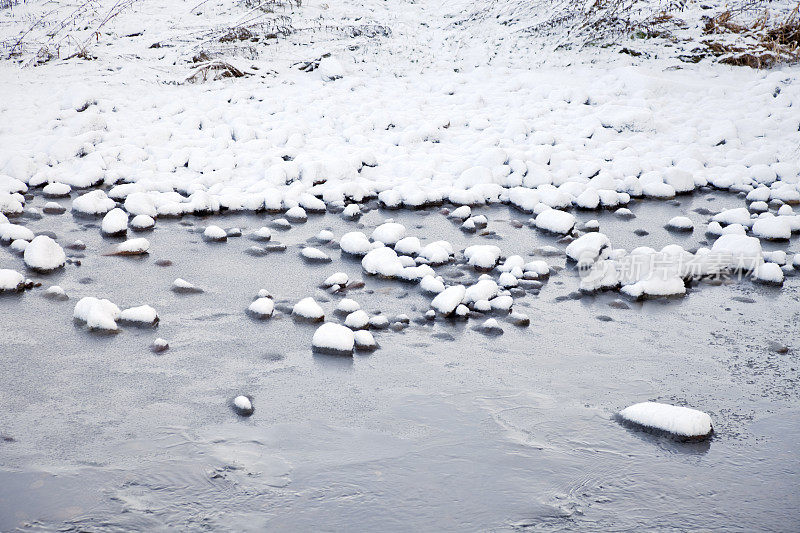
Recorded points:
(682, 423)
(334, 339)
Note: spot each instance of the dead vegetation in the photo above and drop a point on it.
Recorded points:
(760, 43)
(214, 70)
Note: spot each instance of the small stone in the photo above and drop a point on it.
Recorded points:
(243, 406)
(159, 345)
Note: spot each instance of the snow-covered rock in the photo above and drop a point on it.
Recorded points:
(555, 221)
(180, 285)
(93, 203)
(115, 222)
(56, 190)
(55, 292)
(262, 307)
(588, 248)
(142, 222)
(347, 306)
(356, 243)
(338, 278)
(382, 262)
(738, 252)
(482, 256)
(768, 273)
(11, 280)
(316, 255)
(308, 309)
(364, 341)
(12, 232)
(137, 246)
(772, 228)
(389, 233)
(682, 422)
(297, 214)
(243, 406)
(43, 254)
(142, 315)
(431, 284)
(215, 234)
(333, 338)
(357, 320)
(97, 314)
(680, 224)
(450, 298)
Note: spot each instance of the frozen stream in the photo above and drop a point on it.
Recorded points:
(441, 428)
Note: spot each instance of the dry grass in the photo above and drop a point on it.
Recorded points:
(759, 43)
(215, 70)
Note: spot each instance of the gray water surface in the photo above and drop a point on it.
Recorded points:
(442, 428)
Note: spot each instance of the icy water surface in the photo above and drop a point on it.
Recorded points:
(442, 428)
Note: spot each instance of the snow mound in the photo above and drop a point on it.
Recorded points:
(43, 254)
(382, 262)
(180, 285)
(588, 248)
(97, 314)
(445, 303)
(333, 338)
(389, 233)
(215, 234)
(142, 222)
(680, 224)
(262, 307)
(143, 315)
(132, 247)
(308, 309)
(348, 306)
(115, 222)
(355, 243)
(11, 280)
(243, 406)
(316, 255)
(365, 341)
(12, 232)
(93, 203)
(555, 221)
(337, 278)
(681, 422)
(482, 256)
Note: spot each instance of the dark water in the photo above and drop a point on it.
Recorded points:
(442, 428)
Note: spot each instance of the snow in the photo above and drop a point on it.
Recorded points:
(11, 280)
(347, 305)
(364, 340)
(680, 224)
(262, 234)
(56, 190)
(389, 233)
(357, 320)
(355, 243)
(93, 203)
(588, 248)
(461, 213)
(351, 211)
(378, 322)
(655, 285)
(115, 222)
(243, 406)
(482, 256)
(97, 314)
(408, 246)
(447, 301)
(484, 289)
(768, 273)
(382, 262)
(555, 221)
(9, 204)
(181, 285)
(308, 309)
(19, 246)
(262, 307)
(215, 233)
(431, 285)
(143, 314)
(296, 214)
(339, 278)
(142, 222)
(739, 252)
(680, 421)
(12, 232)
(55, 292)
(133, 247)
(333, 338)
(315, 254)
(772, 228)
(159, 345)
(491, 327)
(44, 254)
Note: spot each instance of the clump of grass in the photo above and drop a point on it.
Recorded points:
(757, 44)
